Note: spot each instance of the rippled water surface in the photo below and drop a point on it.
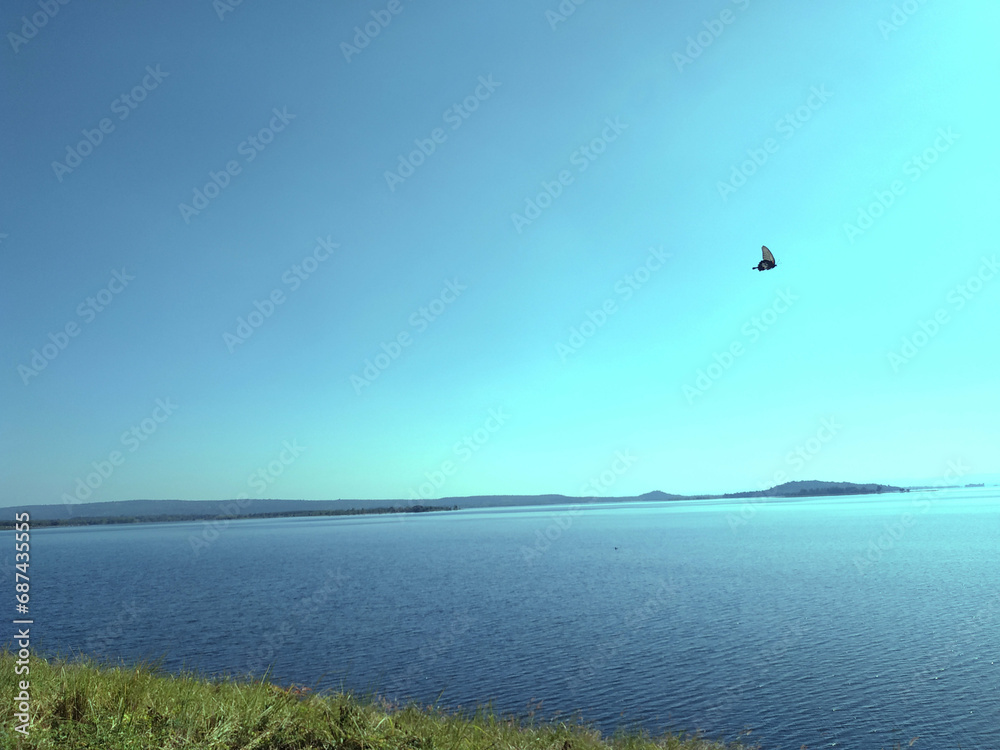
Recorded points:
(856, 622)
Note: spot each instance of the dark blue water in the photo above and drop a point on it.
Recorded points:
(854, 622)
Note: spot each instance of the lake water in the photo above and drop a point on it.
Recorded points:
(853, 622)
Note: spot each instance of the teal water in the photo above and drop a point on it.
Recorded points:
(853, 622)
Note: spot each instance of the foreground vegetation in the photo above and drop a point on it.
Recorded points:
(82, 704)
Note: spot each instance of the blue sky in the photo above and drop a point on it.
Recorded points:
(557, 294)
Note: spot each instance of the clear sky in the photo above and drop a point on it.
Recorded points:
(557, 292)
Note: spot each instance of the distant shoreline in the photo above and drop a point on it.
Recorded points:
(178, 511)
(183, 518)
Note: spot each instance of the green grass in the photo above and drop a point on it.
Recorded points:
(82, 704)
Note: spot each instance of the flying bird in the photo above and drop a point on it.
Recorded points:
(768, 263)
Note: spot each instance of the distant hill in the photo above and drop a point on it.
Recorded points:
(813, 488)
(657, 496)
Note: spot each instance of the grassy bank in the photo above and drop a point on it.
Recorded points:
(85, 705)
